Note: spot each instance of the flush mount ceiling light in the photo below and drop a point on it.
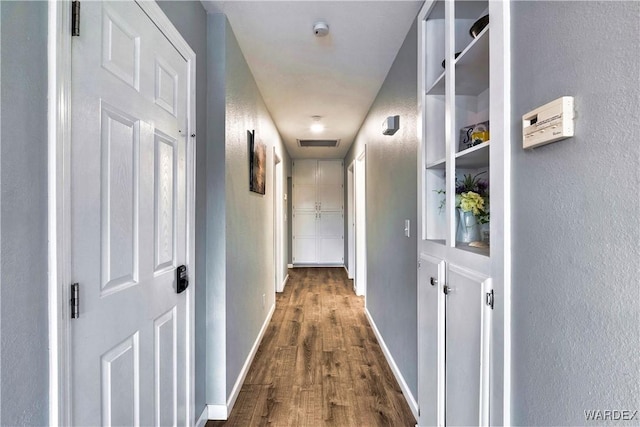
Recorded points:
(316, 126)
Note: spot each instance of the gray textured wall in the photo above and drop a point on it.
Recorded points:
(216, 213)
(240, 232)
(391, 198)
(250, 267)
(191, 20)
(576, 294)
(23, 250)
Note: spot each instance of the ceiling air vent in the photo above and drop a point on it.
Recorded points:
(318, 142)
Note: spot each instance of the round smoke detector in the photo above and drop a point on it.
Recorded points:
(320, 29)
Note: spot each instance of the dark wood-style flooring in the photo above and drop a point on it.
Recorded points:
(319, 363)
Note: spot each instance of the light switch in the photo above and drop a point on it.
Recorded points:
(407, 227)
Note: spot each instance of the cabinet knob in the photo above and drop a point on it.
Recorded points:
(446, 289)
(433, 281)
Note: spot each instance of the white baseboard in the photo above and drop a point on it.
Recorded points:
(217, 412)
(289, 265)
(204, 416)
(284, 283)
(413, 405)
(247, 364)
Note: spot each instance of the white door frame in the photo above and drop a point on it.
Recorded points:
(351, 244)
(59, 206)
(277, 222)
(361, 224)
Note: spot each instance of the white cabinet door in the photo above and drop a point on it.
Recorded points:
(330, 237)
(431, 279)
(467, 347)
(305, 236)
(318, 222)
(330, 185)
(305, 192)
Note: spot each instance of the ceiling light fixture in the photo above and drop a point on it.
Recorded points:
(316, 126)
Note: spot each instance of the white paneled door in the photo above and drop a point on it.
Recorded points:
(128, 220)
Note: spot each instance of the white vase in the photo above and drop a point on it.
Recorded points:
(468, 230)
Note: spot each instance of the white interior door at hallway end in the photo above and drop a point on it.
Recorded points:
(128, 220)
(318, 212)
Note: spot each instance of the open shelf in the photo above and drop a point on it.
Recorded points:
(480, 251)
(474, 157)
(438, 86)
(472, 66)
(438, 164)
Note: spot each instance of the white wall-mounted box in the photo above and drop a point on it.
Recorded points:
(548, 123)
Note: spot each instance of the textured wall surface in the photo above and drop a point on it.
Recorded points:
(391, 198)
(240, 223)
(576, 293)
(190, 19)
(250, 267)
(23, 250)
(216, 213)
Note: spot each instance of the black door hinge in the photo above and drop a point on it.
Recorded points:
(75, 18)
(75, 300)
(489, 299)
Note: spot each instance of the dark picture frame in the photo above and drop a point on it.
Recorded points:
(257, 164)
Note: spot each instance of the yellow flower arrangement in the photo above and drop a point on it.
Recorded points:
(471, 201)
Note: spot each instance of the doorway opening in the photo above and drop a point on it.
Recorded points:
(278, 224)
(361, 225)
(351, 244)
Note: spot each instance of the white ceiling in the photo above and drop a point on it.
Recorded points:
(300, 75)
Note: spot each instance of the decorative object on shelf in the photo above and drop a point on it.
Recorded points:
(472, 203)
(478, 26)
(257, 164)
(473, 135)
(444, 61)
(467, 231)
(390, 125)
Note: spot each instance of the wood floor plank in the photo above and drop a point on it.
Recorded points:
(319, 363)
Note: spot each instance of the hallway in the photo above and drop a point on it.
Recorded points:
(319, 362)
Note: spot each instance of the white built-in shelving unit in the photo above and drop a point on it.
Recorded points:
(463, 341)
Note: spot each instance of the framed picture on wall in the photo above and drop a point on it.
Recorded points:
(257, 164)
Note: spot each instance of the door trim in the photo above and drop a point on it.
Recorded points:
(351, 244)
(59, 191)
(360, 191)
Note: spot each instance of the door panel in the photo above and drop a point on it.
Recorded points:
(305, 225)
(128, 213)
(120, 168)
(464, 347)
(165, 366)
(121, 383)
(165, 201)
(330, 173)
(330, 251)
(305, 250)
(304, 197)
(330, 198)
(430, 333)
(331, 224)
(330, 238)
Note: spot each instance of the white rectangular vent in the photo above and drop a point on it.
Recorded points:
(318, 142)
